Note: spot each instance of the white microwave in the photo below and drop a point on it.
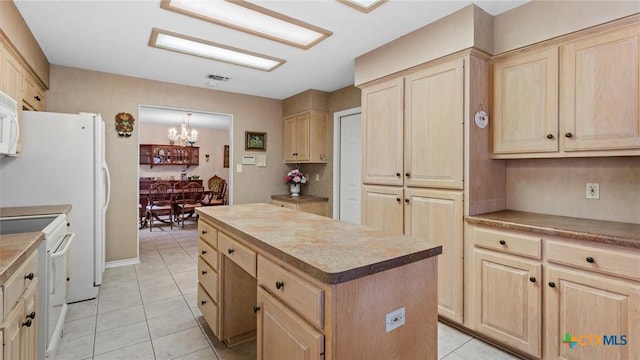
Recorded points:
(9, 127)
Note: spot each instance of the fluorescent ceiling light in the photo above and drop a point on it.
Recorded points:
(253, 19)
(189, 45)
(363, 5)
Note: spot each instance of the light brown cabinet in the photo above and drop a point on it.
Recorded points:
(208, 275)
(155, 154)
(32, 94)
(575, 97)
(305, 137)
(318, 205)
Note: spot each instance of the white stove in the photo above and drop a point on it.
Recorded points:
(52, 274)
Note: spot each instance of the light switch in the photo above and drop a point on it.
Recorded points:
(239, 168)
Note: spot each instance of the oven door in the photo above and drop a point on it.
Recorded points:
(58, 280)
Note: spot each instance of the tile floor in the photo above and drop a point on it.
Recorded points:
(149, 311)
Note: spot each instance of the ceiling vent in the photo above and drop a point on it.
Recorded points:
(217, 77)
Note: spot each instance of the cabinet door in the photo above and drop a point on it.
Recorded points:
(436, 215)
(302, 133)
(289, 140)
(284, 335)
(11, 330)
(585, 308)
(433, 126)
(506, 299)
(382, 208)
(28, 338)
(382, 133)
(600, 91)
(525, 102)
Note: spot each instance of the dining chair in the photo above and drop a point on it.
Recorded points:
(160, 204)
(189, 198)
(217, 191)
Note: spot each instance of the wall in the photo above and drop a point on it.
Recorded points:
(76, 90)
(210, 141)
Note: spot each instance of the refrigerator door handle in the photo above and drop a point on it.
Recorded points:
(108, 197)
(14, 145)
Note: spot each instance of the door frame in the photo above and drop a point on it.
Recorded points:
(337, 122)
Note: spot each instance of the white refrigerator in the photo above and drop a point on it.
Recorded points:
(63, 162)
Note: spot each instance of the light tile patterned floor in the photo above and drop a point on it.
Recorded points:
(148, 311)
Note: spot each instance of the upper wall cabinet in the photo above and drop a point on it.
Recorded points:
(305, 137)
(32, 94)
(569, 99)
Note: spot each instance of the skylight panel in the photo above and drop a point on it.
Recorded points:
(365, 6)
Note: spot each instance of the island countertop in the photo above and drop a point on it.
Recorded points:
(14, 250)
(329, 250)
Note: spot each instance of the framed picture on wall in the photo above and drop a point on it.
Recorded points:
(225, 159)
(255, 141)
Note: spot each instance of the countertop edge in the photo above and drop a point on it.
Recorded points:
(328, 278)
(25, 244)
(35, 210)
(485, 219)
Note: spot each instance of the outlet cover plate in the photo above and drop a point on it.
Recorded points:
(395, 319)
(593, 191)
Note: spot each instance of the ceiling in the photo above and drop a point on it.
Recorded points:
(113, 37)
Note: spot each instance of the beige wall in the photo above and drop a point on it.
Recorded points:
(558, 186)
(210, 141)
(75, 90)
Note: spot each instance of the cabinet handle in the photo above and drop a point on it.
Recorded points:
(32, 315)
(202, 302)
(568, 135)
(407, 174)
(204, 232)
(552, 284)
(532, 279)
(591, 260)
(549, 136)
(279, 285)
(398, 199)
(29, 276)
(502, 242)
(406, 200)
(27, 323)
(398, 174)
(37, 97)
(204, 272)
(203, 252)
(230, 251)
(256, 309)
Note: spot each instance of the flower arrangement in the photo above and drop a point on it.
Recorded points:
(294, 177)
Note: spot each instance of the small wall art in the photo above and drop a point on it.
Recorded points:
(256, 141)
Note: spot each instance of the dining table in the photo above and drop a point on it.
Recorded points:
(144, 201)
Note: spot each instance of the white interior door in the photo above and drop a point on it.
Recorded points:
(350, 168)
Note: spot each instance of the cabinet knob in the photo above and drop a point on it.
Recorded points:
(568, 135)
(398, 174)
(37, 97)
(256, 309)
(406, 200)
(230, 251)
(32, 315)
(552, 284)
(29, 276)
(502, 242)
(591, 260)
(549, 136)
(532, 279)
(27, 323)
(204, 272)
(279, 285)
(203, 232)
(407, 174)
(203, 252)
(398, 199)
(202, 302)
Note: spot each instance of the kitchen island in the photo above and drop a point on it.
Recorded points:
(312, 287)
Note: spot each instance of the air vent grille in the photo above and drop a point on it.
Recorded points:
(217, 77)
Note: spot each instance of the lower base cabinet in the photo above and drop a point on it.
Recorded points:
(284, 335)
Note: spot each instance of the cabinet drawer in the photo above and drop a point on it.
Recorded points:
(606, 259)
(511, 242)
(208, 253)
(16, 284)
(302, 296)
(208, 278)
(284, 204)
(208, 233)
(238, 253)
(209, 309)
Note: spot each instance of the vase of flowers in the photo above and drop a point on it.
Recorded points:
(294, 178)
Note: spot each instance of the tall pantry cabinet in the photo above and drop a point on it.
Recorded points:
(418, 152)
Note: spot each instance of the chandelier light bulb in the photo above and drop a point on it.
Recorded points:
(186, 135)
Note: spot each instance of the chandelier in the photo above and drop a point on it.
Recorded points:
(186, 135)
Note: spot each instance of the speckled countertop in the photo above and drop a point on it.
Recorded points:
(609, 232)
(14, 250)
(34, 210)
(299, 199)
(329, 250)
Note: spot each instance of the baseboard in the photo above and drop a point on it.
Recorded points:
(112, 264)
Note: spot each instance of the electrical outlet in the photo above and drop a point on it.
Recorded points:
(395, 319)
(593, 191)
(317, 177)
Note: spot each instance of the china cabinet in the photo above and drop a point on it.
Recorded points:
(155, 154)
